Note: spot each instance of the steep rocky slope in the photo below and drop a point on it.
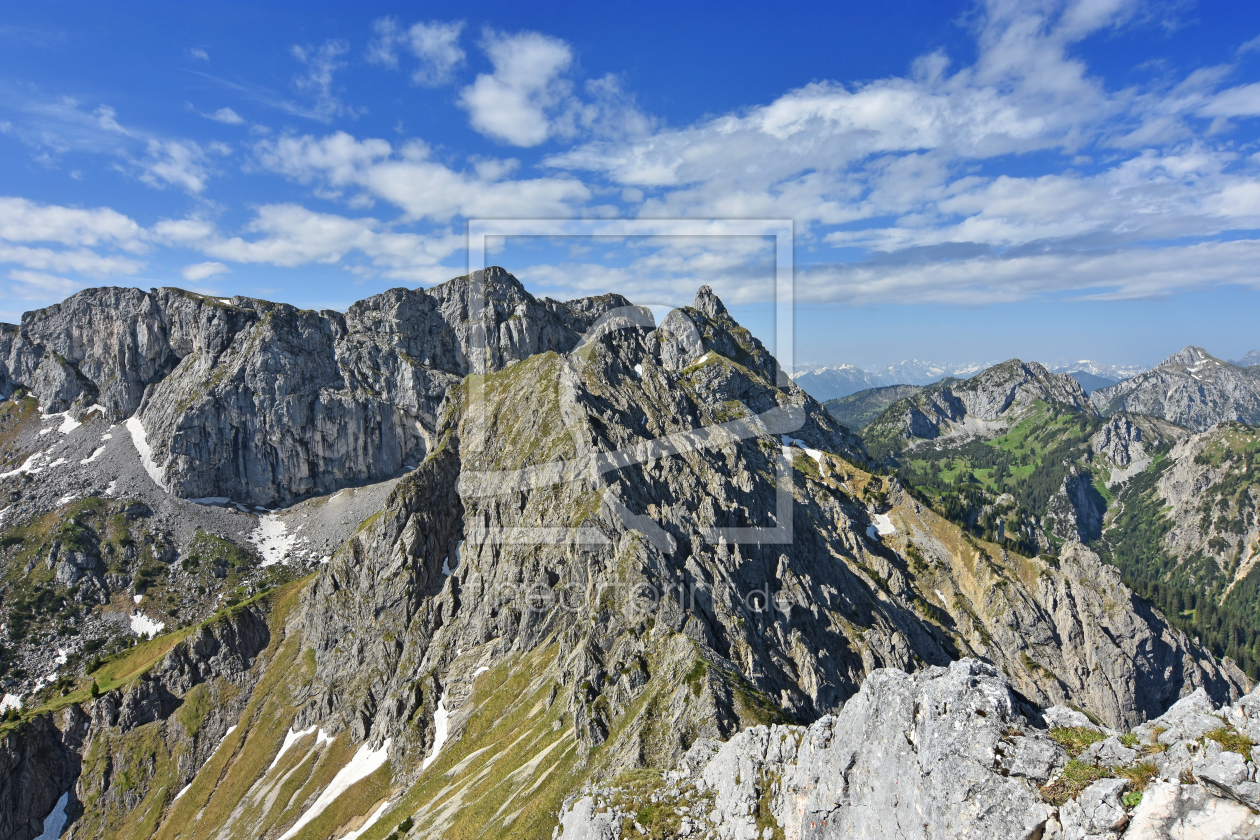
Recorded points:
(1185, 533)
(1192, 389)
(610, 554)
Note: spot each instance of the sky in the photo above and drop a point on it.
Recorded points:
(963, 181)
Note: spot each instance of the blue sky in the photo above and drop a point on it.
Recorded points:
(967, 182)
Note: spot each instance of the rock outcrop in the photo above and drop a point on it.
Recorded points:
(951, 753)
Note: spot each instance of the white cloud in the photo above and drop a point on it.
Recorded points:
(35, 285)
(1250, 46)
(22, 220)
(987, 278)
(199, 54)
(227, 116)
(514, 104)
(180, 163)
(289, 235)
(200, 271)
(78, 260)
(422, 187)
(435, 44)
(316, 82)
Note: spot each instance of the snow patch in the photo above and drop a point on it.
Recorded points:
(380, 812)
(459, 558)
(441, 728)
(61, 656)
(94, 409)
(112, 488)
(884, 525)
(96, 453)
(58, 463)
(56, 821)
(638, 371)
(28, 466)
(10, 701)
(183, 790)
(66, 499)
(788, 442)
(290, 739)
(480, 671)
(137, 598)
(142, 625)
(364, 763)
(141, 442)
(272, 539)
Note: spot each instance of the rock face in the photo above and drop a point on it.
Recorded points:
(948, 753)
(907, 757)
(263, 403)
(1191, 388)
(982, 406)
(1205, 494)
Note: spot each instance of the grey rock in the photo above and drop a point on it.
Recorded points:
(1189, 718)
(907, 757)
(1226, 773)
(984, 405)
(1097, 813)
(585, 822)
(1062, 716)
(261, 402)
(1172, 811)
(1109, 753)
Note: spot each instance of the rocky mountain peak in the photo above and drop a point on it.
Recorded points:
(1191, 388)
(709, 303)
(1189, 355)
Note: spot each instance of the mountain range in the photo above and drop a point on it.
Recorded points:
(829, 382)
(464, 562)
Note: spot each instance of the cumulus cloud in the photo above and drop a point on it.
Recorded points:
(435, 44)
(68, 239)
(22, 220)
(515, 102)
(180, 163)
(289, 235)
(892, 165)
(424, 188)
(226, 116)
(200, 271)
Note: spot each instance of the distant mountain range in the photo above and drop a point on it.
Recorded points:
(1250, 360)
(829, 382)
